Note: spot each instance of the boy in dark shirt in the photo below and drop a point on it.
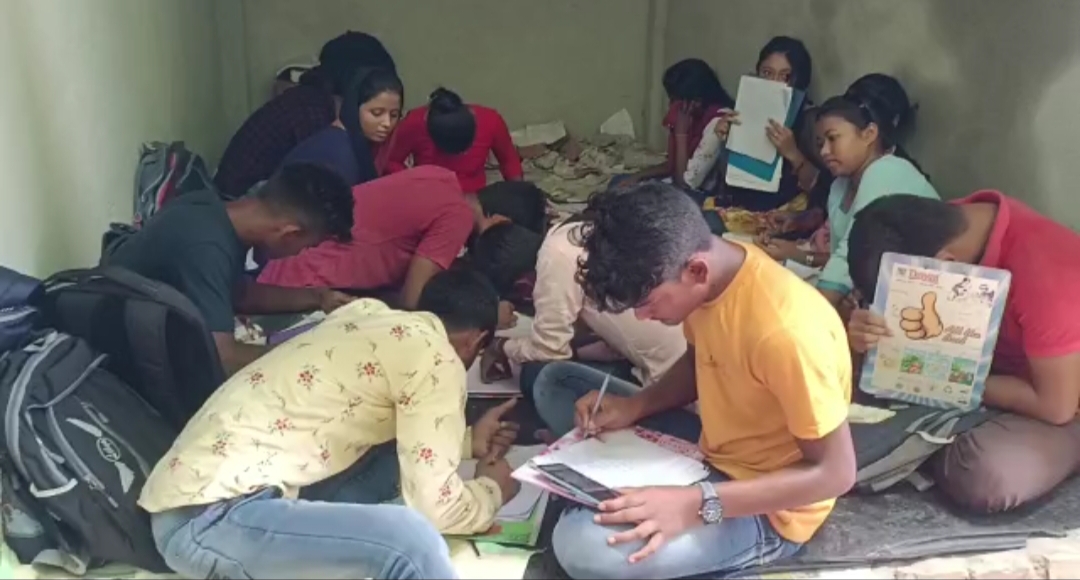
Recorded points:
(199, 243)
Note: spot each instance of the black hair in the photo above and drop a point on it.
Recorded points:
(693, 80)
(504, 253)
(462, 299)
(900, 223)
(316, 196)
(636, 240)
(366, 84)
(521, 201)
(880, 99)
(341, 56)
(450, 122)
(795, 52)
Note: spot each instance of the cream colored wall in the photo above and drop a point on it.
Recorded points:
(578, 60)
(85, 82)
(996, 80)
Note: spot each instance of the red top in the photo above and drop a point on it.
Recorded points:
(1041, 318)
(420, 212)
(697, 129)
(492, 136)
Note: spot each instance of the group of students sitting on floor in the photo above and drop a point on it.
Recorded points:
(299, 464)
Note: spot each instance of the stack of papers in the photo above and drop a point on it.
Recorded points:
(507, 387)
(628, 458)
(519, 520)
(753, 161)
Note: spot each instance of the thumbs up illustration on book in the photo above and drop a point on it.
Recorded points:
(922, 323)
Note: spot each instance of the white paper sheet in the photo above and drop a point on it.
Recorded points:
(622, 459)
(544, 134)
(506, 387)
(758, 101)
(620, 123)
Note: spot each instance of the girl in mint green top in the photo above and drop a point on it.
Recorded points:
(858, 133)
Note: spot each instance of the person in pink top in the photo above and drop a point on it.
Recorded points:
(1033, 446)
(566, 327)
(448, 133)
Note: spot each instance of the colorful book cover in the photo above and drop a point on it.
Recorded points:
(944, 318)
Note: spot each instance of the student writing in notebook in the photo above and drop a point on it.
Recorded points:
(287, 469)
(1020, 455)
(767, 361)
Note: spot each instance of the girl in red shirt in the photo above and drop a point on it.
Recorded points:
(448, 133)
(695, 97)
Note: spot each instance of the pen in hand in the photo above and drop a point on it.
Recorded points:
(596, 408)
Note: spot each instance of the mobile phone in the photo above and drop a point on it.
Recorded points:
(575, 481)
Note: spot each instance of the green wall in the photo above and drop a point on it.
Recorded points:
(84, 83)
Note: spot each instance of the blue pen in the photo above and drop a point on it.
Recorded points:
(596, 405)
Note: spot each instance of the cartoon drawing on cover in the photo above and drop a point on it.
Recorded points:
(922, 322)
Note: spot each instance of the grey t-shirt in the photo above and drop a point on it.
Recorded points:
(192, 246)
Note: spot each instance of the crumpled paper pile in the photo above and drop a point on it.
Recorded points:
(570, 168)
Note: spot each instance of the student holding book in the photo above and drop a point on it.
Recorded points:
(785, 60)
(769, 365)
(1023, 454)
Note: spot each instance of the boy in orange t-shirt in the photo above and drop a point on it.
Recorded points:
(768, 363)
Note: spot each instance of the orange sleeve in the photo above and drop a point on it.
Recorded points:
(809, 372)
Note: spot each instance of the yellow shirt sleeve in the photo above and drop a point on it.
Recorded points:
(431, 436)
(809, 372)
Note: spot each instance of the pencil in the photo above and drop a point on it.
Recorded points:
(596, 405)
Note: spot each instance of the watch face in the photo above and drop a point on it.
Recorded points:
(711, 512)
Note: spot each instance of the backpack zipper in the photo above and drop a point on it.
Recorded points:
(76, 462)
(14, 314)
(18, 395)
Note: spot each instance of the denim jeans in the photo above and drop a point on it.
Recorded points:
(342, 534)
(531, 369)
(580, 545)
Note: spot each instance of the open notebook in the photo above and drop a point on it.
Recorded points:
(629, 458)
(519, 520)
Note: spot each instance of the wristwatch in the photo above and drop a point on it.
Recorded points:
(712, 511)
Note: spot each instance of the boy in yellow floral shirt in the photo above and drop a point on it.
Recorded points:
(281, 472)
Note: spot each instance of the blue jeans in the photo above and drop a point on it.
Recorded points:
(580, 545)
(531, 369)
(263, 535)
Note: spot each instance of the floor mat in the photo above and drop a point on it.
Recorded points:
(906, 525)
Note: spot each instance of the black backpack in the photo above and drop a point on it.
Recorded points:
(156, 339)
(79, 445)
(17, 313)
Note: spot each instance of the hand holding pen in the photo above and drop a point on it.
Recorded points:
(598, 411)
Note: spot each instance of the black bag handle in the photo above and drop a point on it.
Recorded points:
(120, 276)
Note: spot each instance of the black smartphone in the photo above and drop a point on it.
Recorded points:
(577, 482)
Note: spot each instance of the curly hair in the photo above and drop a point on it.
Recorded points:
(317, 197)
(634, 241)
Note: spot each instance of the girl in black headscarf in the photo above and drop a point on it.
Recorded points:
(356, 144)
